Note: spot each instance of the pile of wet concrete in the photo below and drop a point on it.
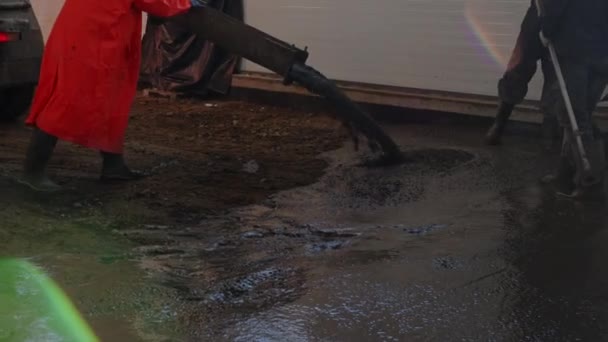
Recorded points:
(258, 256)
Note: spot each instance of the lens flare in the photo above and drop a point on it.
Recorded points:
(489, 31)
(34, 308)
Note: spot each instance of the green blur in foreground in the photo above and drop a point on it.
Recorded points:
(33, 308)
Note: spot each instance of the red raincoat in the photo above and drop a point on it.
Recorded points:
(90, 69)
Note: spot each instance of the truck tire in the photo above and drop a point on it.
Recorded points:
(15, 101)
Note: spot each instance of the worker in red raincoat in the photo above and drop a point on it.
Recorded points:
(88, 81)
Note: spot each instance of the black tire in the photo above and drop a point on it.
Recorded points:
(15, 101)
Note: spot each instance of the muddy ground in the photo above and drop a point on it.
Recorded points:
(256, 224)
(203, 159)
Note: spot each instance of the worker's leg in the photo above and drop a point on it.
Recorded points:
(513, 86)
(597, 88)
(579, 81)
(115, 169)
(563, 177)
(595, 96)
(39, 153)
(494, 134)
(550, 131)
(596, 147)
(550, 105)
(598, 79)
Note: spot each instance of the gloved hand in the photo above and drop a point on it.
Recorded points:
(199, 3)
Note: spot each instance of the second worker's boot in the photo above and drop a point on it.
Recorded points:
(591, 186)
(494, 135)
(115, 169)
(563, 179)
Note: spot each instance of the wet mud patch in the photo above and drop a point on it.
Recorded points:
(447, 263)
(179, 222)
(370, 188)
(422, 230)
(256, 289)
(324, 246)
(241, 262)
(224, 262)
(329, 239)
(358, 187)
(437, 159)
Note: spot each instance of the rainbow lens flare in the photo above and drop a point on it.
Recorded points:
(34, 308)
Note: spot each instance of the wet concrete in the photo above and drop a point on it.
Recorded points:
(460, 243)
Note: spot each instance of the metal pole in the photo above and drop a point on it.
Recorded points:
(562, 85)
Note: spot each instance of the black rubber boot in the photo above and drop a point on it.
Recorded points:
(595, 193)
(591, 186)
(38, 155)
(495, 132)
(115, 169)
(563, 179)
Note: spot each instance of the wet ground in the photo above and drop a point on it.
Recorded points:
(256, 224)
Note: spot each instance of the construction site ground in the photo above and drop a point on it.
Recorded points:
(256, 223)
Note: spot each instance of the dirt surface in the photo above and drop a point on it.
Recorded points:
(203, 158)
(201, 155)
(459, 243)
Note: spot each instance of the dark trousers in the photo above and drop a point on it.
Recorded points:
(585, 82)
(523, 64)
(513, 86)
